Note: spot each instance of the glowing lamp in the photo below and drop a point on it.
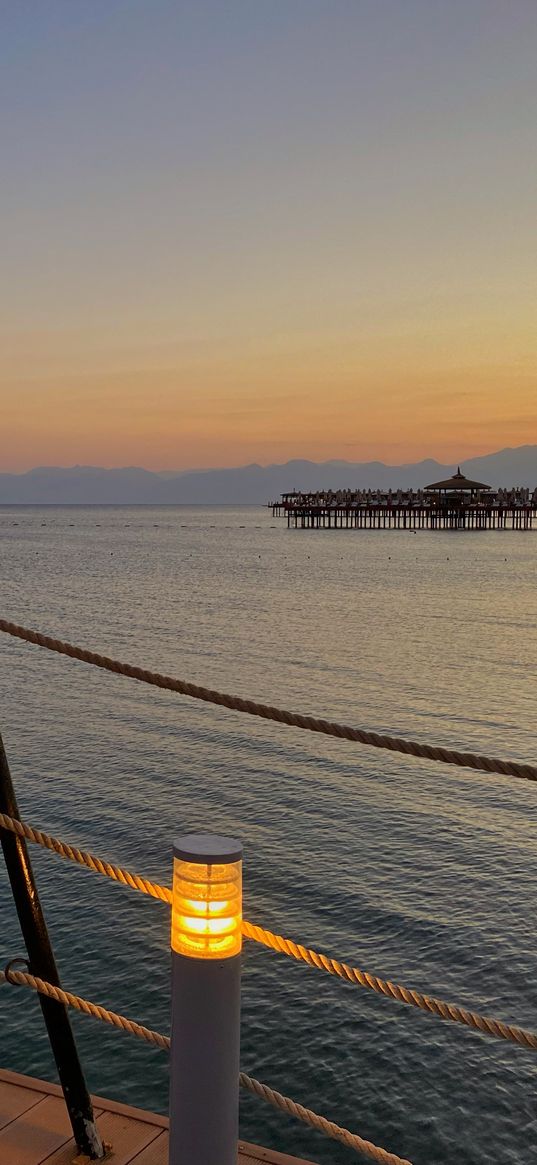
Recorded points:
(206, 940)
(207, 903)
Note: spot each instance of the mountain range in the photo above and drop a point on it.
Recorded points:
(249, 484)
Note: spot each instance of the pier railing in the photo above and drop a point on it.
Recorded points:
(41, 974)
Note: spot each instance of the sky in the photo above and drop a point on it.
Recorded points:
(252, 230)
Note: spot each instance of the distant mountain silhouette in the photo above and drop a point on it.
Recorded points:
(249, 484)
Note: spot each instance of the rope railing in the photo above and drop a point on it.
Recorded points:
(90, 861)
(256, 1087)
(439, 1007)
(448, 756)
(24, 979)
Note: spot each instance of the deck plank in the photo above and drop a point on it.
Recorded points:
(36, 1129)
(15, 1100)
(155, 1154)
(255, 1155)
(35, 1134)
(126, 1136)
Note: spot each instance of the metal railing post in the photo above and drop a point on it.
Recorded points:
(206, 967)
(42, 964)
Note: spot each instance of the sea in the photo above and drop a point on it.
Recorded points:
(416, 871)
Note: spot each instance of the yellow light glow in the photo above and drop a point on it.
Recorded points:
(207, 909)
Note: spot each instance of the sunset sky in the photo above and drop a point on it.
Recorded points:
(250, 230)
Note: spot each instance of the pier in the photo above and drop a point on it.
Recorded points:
(454, 504)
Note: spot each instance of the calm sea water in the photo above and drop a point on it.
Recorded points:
(409, 869)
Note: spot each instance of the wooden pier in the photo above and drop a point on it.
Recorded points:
(35, 1130)
(454, 504)
(409, 517)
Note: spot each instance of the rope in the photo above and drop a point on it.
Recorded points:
(293, 1108)
(263, 1091)
(449, 1011)
(268, 712)
(24, 979)
(276, 942)
(135, 881)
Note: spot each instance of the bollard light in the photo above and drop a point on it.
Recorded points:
(206, 940)
(206, 907)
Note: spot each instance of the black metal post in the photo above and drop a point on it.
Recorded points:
(43, 965)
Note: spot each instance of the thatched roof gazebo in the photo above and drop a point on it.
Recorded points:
(458, 486)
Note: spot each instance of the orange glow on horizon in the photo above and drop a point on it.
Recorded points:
(357, 408)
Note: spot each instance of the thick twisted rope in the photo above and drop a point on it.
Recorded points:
(268, 712)
(117, 873)
(291, 1107)
(286, 946)
(449, 1011)
(24, 979)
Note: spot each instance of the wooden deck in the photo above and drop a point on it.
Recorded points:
(35, 1129)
